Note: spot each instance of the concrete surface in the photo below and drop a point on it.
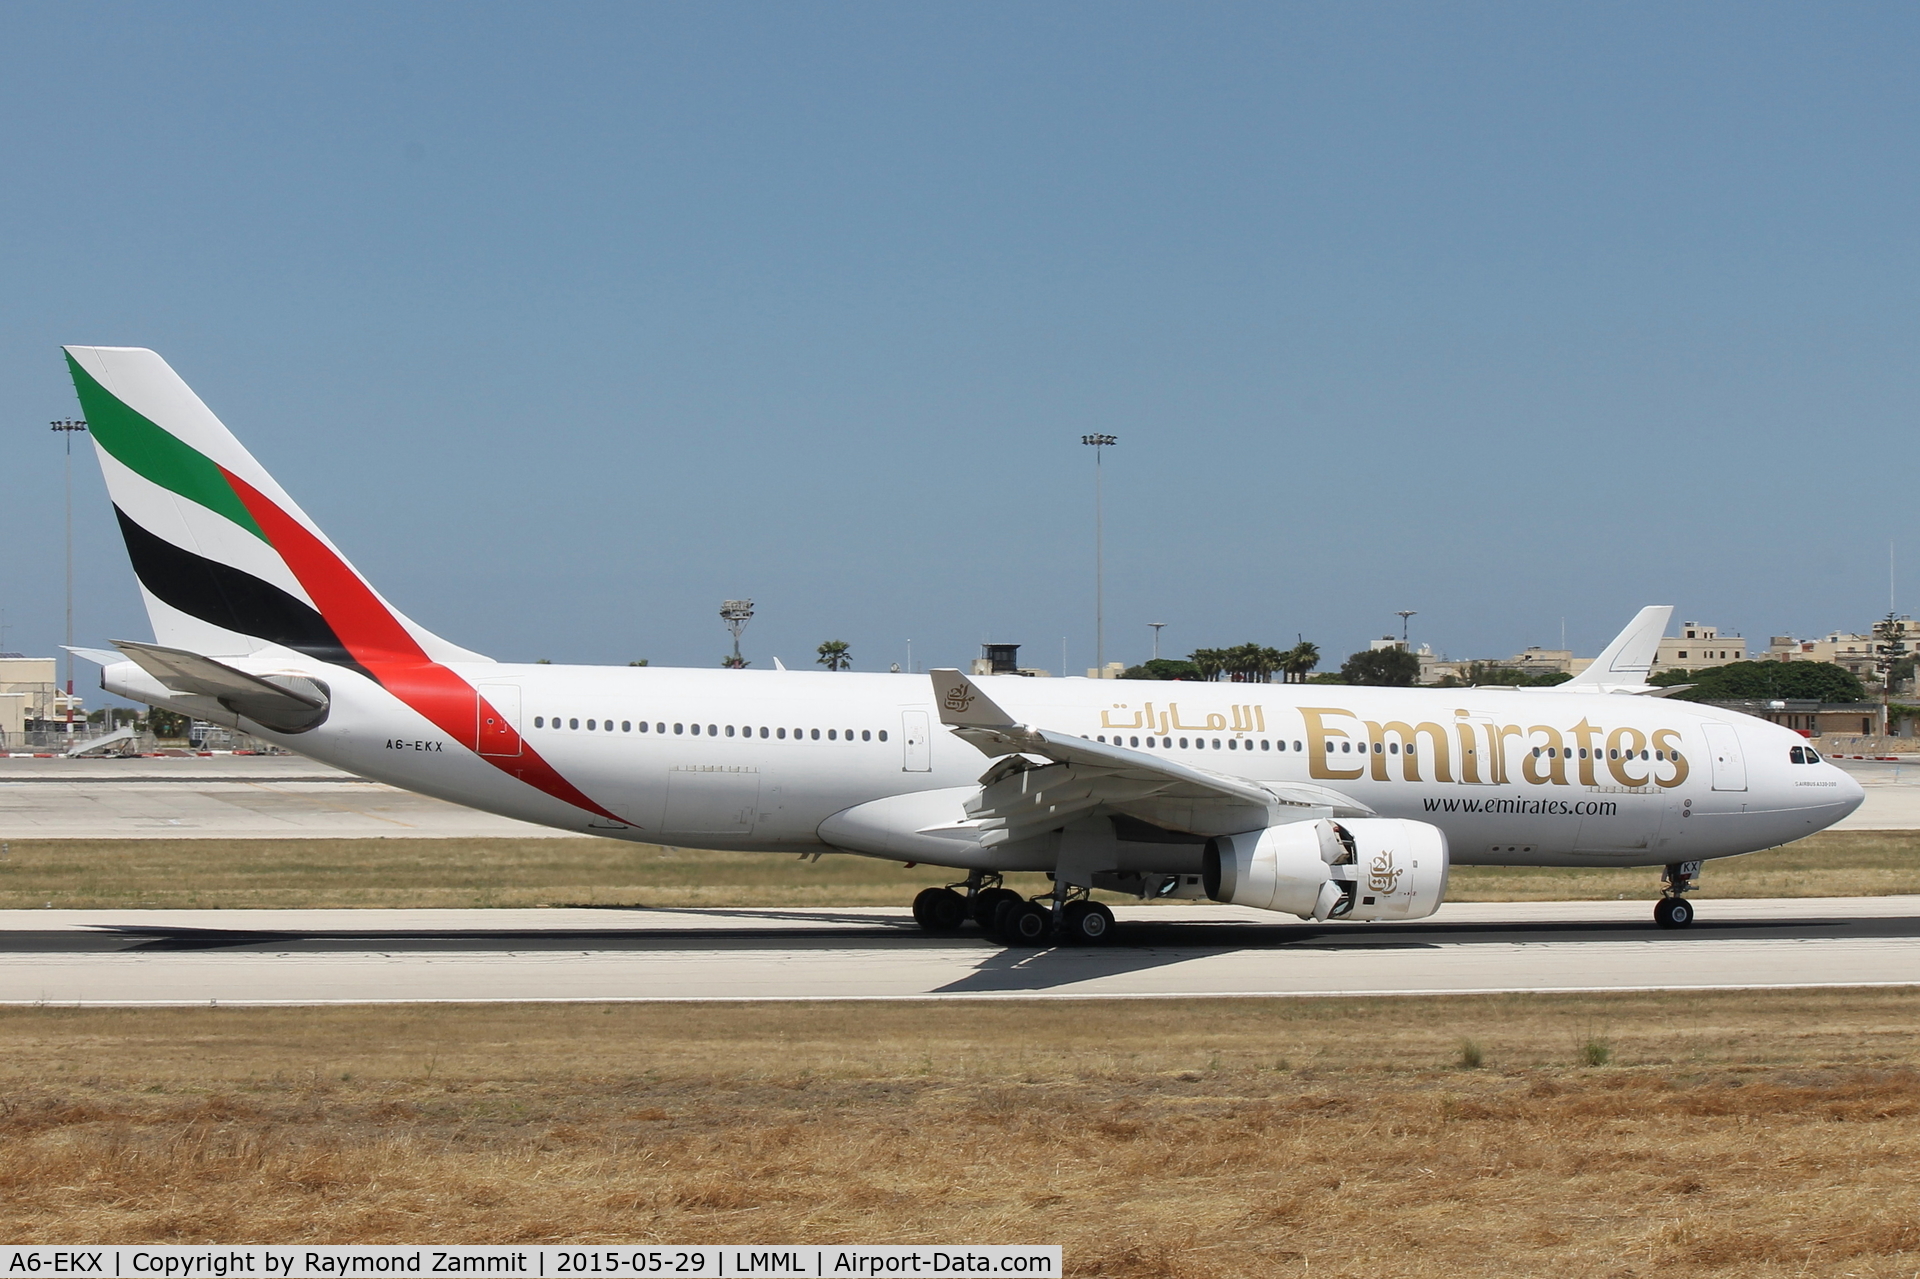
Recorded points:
(365, 956)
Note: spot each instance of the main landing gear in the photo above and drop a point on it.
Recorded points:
(1065, 915)
(1673, 910)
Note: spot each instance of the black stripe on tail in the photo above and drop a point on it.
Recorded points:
(224, 596)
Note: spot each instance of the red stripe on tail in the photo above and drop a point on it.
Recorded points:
(377, 640)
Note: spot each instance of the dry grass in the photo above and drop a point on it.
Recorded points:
(1733, 1134)
(230, 873)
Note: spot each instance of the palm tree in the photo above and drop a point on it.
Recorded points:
(834, 656)
(1300, 659)
(1209, 661)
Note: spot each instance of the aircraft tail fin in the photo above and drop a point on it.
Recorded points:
(1624, 663)
(229, 565)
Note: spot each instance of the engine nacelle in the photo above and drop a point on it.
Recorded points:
(1362, 868)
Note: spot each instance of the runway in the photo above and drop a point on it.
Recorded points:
(373, 956)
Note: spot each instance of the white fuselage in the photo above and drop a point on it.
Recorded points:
(759, 760)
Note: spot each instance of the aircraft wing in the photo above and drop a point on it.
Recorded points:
(1623, 665)
(1019, 797)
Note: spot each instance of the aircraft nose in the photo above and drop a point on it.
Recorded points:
(1851, 794)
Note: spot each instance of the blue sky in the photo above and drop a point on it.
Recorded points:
(569, 321)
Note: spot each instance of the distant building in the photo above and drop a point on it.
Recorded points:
(30, 694)
(1002, 659)
(1697, 647)
(1853, 652)
(1817, 719)
(1529, 662)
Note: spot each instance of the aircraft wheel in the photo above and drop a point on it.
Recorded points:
(1673, 912)
(1025, 924)
(1088, 923)
(940, 910)
(987, 901)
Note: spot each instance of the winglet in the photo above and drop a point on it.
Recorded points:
(1627, 660)
(963, 705)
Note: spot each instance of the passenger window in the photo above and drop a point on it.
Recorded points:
(833, 735)
(783, 734)
(1409, 747)
(763, 732)
(1232, 744)
(538, 722)
(643, 726)
(1216, 743)
(713, 730)
(1183, 743)
(1346, 748)
(626, 726)
(1393, 748)
(1376, 748)
(679, 729)
(1297, 746)
(866, 734)
(729, 730)
(883, 734)
(1265, 745)
(573, 723)
(815, 734)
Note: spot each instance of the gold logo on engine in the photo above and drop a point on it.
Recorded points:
(1382, 875)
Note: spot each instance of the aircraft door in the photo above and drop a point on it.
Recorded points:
(1478, 744)
(1729, 767)
(497, 719)
(915, 741)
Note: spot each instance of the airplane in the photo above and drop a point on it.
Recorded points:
(1325, 802)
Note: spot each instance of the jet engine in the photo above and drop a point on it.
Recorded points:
(1359, 868)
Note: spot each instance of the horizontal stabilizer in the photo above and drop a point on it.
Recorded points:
(284, 703)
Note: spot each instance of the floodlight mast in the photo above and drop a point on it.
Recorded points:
(736, 614)
(67, 426)
(1403, 615)
(1099, 444)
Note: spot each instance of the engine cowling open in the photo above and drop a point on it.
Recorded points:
(1360, 868)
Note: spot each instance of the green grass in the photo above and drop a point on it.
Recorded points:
(287, 873)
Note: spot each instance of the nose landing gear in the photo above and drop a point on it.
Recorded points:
(1673, 910)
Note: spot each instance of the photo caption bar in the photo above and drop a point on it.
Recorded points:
(538, 1261)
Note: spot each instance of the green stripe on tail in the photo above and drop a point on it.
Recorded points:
(152, 452)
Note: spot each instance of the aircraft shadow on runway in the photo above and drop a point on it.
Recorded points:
(1137, 945)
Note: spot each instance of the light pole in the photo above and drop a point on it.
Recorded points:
(67, 427)
(736, 614)
(1156, 638)
(1403, 615)
(1099, 444)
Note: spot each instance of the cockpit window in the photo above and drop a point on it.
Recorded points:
(1797, 755)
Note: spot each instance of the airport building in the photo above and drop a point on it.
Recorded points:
(31, 696)
(1696, 647)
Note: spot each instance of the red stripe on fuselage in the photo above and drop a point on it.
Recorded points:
(378, 641)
